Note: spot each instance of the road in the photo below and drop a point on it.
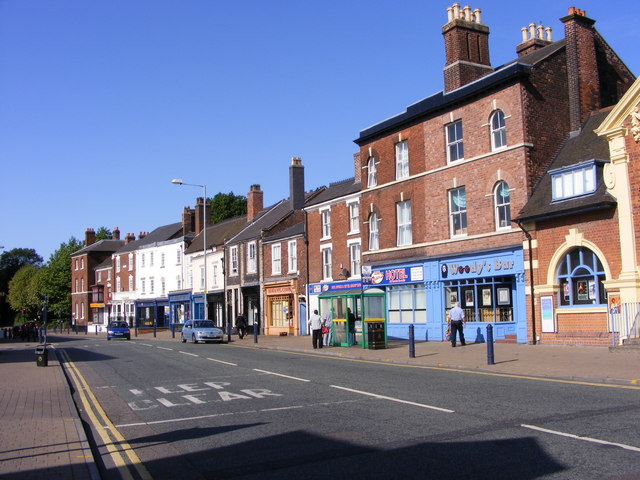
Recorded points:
(170, 410)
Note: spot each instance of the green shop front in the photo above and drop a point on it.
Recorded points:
(358, 315)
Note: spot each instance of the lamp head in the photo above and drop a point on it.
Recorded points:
(177, 181)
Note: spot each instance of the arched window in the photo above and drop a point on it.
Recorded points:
(580, 276)
(502, 205)
(372, 179)
(498, 130)
(373, 232)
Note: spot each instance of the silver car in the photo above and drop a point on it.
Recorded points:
(201, 331)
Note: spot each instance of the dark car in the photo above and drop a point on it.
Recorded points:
(118, 330)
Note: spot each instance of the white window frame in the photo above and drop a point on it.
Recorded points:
(234, 260)
(151, 259)
(130, 262)
(402, 159)
(161, 259)
(118, 285)
(118, 264)
(455, 142)
(354, 217)
(142, 262)
(179, 257)
(354, 257)
(372, 172)
(374, 237)
(326, 256)
(573, 182)
(201, 277)
(152, 284)
(276, 259)
(456, 211)
(498, 131)
(251, 257)
(143, 286)
(130, 283)
(403, 216)
(292, 256)
(325, 222)
(502, 208)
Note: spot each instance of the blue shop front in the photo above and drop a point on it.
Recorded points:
(152, 313)
(179, 308)
(490, 287)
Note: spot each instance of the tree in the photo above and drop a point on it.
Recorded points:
(26, 291)
(10, 262)
(227, 205)
(103, 233)
(57, 279)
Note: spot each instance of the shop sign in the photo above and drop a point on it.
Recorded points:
(318, 288)
(495, 265)
(279, 291)
(397, 275)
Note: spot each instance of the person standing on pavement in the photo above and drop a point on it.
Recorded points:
(456, 318)
(326, 327)
(315, 325)
(241, 326)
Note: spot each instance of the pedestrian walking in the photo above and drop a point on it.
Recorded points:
(315, 325)
(241, 326)
(456, 318)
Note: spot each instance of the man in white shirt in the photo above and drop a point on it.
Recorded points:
(456, 317)
(315, 325)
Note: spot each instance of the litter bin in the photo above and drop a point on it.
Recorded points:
(375, 336)
(42, 356)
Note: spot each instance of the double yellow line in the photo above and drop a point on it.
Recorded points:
(123, 456)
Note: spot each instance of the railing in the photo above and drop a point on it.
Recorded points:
(624, 322)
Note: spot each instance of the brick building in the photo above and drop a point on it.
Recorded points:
(441, 179)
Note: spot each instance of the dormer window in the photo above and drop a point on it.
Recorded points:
(574, 181)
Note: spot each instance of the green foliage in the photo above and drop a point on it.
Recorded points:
(57, 279)
(26, 290)
(103, 233)
(10, 262)
(227, 205)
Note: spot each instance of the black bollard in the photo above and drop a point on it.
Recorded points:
(228, 332)
(154, 329)
(173, 330)
(255, 333)
(412, 342)
(490, 345)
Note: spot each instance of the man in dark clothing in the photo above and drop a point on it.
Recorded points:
(241, 326)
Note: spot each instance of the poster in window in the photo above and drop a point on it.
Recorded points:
(486, 297)
(453, 298)
(614, 304)
(583, 293)
(592, 290)
(565, 289)
(503, 296)
(468, 298)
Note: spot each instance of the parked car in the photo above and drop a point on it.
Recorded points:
(201, 331)
(118, 330)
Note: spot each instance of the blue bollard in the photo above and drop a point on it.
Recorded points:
(173, 331)
(490, 345)
(412, 342)
(228, 332)
(255, 333)
(154, 329)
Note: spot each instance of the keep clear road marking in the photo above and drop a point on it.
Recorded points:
(382, 397)
(577, 437)
(187, 353)
(220, 361)
(281, 375)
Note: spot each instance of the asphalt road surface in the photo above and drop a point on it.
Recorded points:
(169, 410)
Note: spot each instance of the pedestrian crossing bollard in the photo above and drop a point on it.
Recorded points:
(490, 345)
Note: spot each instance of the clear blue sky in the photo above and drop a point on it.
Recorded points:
(103, 102)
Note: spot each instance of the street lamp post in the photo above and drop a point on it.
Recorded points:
(178, 181)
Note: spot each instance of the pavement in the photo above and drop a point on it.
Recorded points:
(41, 435)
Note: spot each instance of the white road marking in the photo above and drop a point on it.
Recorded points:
(281, 375)
(577, 437)
(214, 415)
(187, 353)
(164, 348)
(220, 361)
(146, 344)
(382, 397)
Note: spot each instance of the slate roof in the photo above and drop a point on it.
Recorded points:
(579, 147)
(106, 263)
(441, 101)
(293, 231)
(160, 234)
(100, 246)
(336, 190)
(217, 234)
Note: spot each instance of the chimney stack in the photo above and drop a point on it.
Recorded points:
(89, 237)
(128, 238)
(296, 184)
(582, 66)
(141, 235)
(188, 220)
(466, 44)
(533, 38)
(254, 202)
(203, 213)
(357, 167)
(115, 235)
